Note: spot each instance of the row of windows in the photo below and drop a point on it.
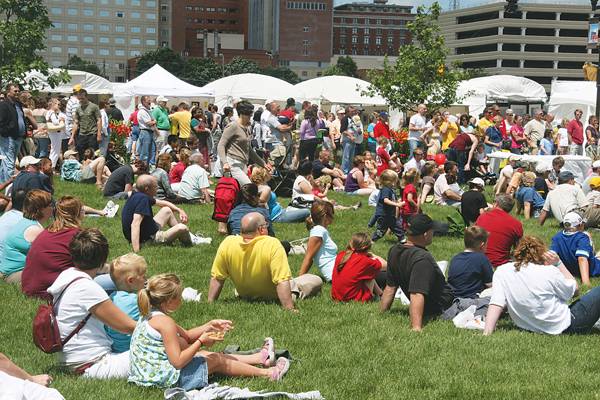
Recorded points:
(135, 3)
(371, 21)
(88, 12)
(368, 52)
(101, 40)
(367, 31)
(531, 15)
(366, 40)
(211, 21)
(304, 5)
(541, 64)
(102, 28)
(211, 9)
(91, 52)
(529, 48)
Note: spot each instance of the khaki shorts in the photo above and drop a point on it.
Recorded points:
(160, 237)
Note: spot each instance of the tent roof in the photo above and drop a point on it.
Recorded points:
(576, 92)
(93, 84)
(339, 89)
(158, 81)
(251, 87)
(503, 88)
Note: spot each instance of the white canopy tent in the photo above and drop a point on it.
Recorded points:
(93, 84)
(566, 96)
(339, 90)
(256, 88)
(478, 92)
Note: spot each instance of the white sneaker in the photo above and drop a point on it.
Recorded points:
(196, 240)
(111, 209)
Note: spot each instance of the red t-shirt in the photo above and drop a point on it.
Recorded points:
(382, 160)
(575, 128)
(176, 172)
(351, 282)
(504, 233)
(408, 208)
(48, 256)
(381, 129)
(289, 113)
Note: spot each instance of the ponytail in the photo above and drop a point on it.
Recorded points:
(359, 243)
(144, 302)
(158, 290)
(345, 259)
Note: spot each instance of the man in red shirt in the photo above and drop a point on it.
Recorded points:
(382, 127)
(575, 131)
(504, 230)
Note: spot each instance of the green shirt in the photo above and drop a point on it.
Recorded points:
(87, 117)
(161, 116)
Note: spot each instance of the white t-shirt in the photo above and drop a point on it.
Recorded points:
(564, 198)
(270, 128)
(91, 342)
(325, 257)
(536, 296)
(441, 186)
(563, 137)
(297, 191)
(412, 163)
(418, 121)
(193, 180)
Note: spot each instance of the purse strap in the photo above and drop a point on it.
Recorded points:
(82, 323)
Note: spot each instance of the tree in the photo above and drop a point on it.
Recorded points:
(200, 71)
(283, 73)
(420, 73)
(163, 56)
(23, 26)
(239, 65)
(79, 64)
(345, 65)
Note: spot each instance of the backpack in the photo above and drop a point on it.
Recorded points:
(225, 195)
(46, 335)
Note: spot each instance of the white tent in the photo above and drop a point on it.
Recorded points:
(94, 84)
(566, 96)
(478, 92)
(255, 88)
(339, 90)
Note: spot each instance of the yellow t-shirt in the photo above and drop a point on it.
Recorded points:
(482, 126)
(255, 268)
(450, 135)
(182, 120)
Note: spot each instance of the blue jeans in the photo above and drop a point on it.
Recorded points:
(291, 214)
(585, 312)
(147, 147)
(42, 147)
(9, 148)
(348, 154)
(412, 146)
(133, 138)
(103, 145)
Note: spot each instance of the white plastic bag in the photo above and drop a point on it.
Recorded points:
(468, 320)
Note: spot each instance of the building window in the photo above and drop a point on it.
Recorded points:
(150, 42)
(104, 28)
(366, 31)
(305, 42)
(103, 40)
(379, 31)
(88, 12)
(135, 41)
(56, 49)
(354, 21)
(56, 10)
(135, 29)
(88, 27)
(305, 29)
(120, 29)
(354, 31)
(150, 30)
(136, 2)
(119, 40)
(342, 51)
(135, 15)
(72, 11)
(56, 38)
(378, 40)
(354, 39)
(72, 27)
(120, 53)
(150, 16)
(104, 52)
(72, 38)
(135, 53)
(305, 52)
(88, 39)
(88, 52)
(164, 44)
(104, 13)
(354, 51)
(390, 39)
(366, 40)
(151, 4)
(57, 25)
(72, 50)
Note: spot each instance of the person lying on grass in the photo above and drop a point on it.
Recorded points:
(163, 354)
(536, 289)
(258, 266)
(17, 382)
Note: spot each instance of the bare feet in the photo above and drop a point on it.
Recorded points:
(44, 380)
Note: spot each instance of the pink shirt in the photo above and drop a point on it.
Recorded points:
(575, 129)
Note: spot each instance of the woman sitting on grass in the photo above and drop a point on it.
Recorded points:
(163, 354)
(321, 249)
(89, 171)
(537, 289)
(355, 180)
(161, 173)
(247, 201)
(355, 271)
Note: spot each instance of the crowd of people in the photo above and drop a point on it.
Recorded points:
(117, 323)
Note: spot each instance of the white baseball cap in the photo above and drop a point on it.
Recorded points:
(572, 220)
(477, 181)
(540, 168)
(596, 164)
(29, 160)
(161, 98)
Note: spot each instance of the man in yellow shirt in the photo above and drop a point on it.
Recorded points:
(258, 266)
(182, 119)
(449, 130)
(485, 122)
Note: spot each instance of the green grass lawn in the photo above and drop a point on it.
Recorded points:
(347, 351)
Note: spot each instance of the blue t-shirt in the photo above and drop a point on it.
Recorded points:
(494, 134)
(546, 147)
(235, 217)
(127, 302)
(570, 246)
(275, 209)
(8, 220)
(468, 273)
(139, 203)
(382, 209)
(530, 195)
(325, 257)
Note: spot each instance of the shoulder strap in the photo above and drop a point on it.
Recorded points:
(82, 323)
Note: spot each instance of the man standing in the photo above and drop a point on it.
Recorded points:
(146, 142)
(382, 127)
(12, 131)
(72, 105)
(182, 121)
(87, 125)
(575, 131)
(534, 131)
(272, 129)
(160, 114)
(507, 123)
(485, 122)
(416, 127)
(348, 139)
(258, 266)
(113, 112)
(412, 268)
(565, 197)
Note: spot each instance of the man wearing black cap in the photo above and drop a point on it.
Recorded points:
(565, 197)
(412, 268)
(113, 112)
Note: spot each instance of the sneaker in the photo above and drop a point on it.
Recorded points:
(357, 205)
(196, 240)
(111, 209)
(280, 369)
(268, 352)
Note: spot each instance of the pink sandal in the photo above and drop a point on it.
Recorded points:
(268, 352)
(280, 369)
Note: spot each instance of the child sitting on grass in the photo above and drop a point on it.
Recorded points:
(128, 272)
(163, 354)
(320, 188)
(409, 196)
(470, 272)
(528, 199)
(356, 270)
(387, 206)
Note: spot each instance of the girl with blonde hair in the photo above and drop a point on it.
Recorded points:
(528, 199)
(163, 354)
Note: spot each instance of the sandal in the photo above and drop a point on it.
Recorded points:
(268, 352)
(280, 369)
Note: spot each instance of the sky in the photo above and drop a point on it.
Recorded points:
(466, 3)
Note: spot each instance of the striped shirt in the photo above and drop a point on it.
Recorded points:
(72, 105)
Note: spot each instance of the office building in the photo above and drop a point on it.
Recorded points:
(542, 42)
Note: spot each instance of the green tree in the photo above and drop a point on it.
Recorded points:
(163, 56)
(200, 71)
(283, 73)
(23, 26)
(79, 64)
(420, 73)
(239, 65)
(345, 65)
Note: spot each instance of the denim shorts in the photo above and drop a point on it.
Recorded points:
(194, 375)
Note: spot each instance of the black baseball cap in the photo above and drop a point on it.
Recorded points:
(419, 224)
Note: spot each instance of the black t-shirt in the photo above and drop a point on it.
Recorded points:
(471, 202)
(32, 180)
(468, 274)
(114, 113)
(414, 270)
(139, 203)
(317, 168)
(541, 186)
(118, 179)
